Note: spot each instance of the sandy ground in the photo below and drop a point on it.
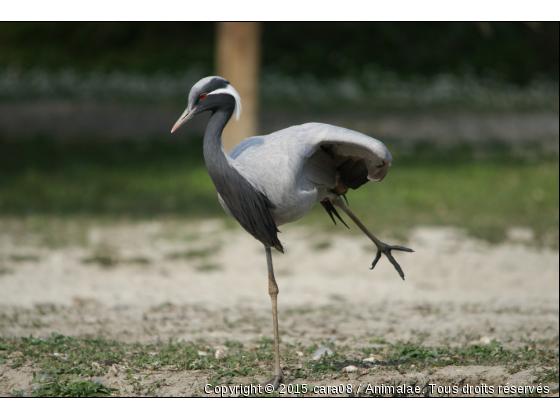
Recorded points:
(202, 281)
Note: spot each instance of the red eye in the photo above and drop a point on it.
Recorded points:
(203, 96)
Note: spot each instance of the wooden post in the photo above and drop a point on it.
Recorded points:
(237, 60)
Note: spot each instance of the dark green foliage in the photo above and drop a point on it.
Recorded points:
(409, 351)
(73, 389)
(514, 50)
(106, 46)
(420, 48)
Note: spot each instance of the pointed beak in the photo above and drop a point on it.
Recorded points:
(187, 115)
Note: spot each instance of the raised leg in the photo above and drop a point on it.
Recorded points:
(382, 248)
(278, 376)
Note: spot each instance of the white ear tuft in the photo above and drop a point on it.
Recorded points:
(229, 89)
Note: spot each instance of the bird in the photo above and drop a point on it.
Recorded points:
(270, 180)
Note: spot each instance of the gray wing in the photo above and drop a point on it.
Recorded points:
(303, 147)
(353, 158)
(297, 166)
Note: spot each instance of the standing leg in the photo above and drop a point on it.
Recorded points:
(278, 376)
(382, 248)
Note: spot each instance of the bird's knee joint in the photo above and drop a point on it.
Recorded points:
(336, 200)
(273, 289)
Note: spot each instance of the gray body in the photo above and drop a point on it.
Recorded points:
(294, 171)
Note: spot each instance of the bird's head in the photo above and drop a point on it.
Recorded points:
(209, 94)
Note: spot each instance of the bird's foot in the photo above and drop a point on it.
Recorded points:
(386, 249)
(272, 384)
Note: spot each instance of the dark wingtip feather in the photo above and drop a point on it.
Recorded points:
(325, 204)
(339, 218)
(331, 210)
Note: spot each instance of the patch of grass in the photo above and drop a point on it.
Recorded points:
(548, 375)
(106, 261)
(331, 363)
(73, 389)
(67, 366)
(320, 246)
(5, 271)
(137, 260)
(299, 310)
(109, 258)
(202, 255)
(49, 230)
(378, 340)
(409, 351)
(192, 254)
(208, 267)
(81, 353)
(264, 341)
(406, 354)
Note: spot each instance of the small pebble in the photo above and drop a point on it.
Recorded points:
(482, 341)
(220, 354)
(320, 352)
(202, 353)
(485, 340)
(350, 369)
(61, 356)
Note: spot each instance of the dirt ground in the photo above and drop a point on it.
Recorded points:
(148, 282)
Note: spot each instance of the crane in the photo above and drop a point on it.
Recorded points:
(268, 181)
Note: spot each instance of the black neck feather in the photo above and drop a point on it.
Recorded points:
(248, 206)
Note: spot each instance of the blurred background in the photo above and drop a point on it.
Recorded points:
(468, 110)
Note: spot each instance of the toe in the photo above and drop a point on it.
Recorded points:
(275, 381)
(400, 248)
